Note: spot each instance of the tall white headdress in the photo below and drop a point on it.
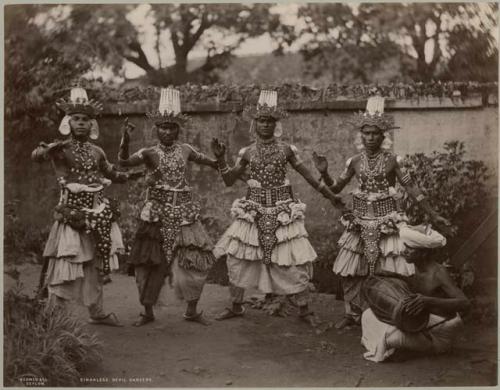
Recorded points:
(169, 108)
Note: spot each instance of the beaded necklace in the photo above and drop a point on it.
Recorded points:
(268, 166)
(86, 164)
(372, 168)
(171, 162)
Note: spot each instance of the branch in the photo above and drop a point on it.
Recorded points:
(436, 56)
(419, 41)
(189, 44)
(141, 60)
(175, 42)
(437, 22)
(157, 45)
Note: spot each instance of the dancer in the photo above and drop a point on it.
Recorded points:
(170, 243)
(370, 241)
(267, 245)
(84, 240)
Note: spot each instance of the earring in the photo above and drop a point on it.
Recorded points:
(64, 127)
(252, 128)
(94, 129)
(278, 130)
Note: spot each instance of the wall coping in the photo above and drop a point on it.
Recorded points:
(427, 103)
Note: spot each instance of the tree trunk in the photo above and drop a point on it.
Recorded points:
(173, 75)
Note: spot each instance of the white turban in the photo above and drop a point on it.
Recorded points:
(421, 236)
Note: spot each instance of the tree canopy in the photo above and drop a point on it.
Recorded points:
(423, 41)
(431, 40)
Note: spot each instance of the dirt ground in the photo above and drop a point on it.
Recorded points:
(259, 350)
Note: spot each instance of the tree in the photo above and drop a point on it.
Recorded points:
(474, 53)
(107, 35)
(432, 34)
(38, 69)
(341, 43)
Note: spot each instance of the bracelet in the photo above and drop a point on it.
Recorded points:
(61, 180)
(224, 169)
(334, 182)
(406, 179)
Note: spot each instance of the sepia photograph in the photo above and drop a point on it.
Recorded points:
(246, 195)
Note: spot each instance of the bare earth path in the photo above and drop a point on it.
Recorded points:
(260, 350)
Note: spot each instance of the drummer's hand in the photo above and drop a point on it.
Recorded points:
(416, 304)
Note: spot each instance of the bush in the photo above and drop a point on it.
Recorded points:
(451, 184)
(455, 188)
(21, 240)
(44, 344)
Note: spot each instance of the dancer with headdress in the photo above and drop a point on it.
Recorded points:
(370, 241)
(267, 245)
(170, 243)
(84, 240)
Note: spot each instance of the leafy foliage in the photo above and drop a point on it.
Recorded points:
(429, 40)
(475, 56)
(45, 344)
(451, 183)
(455, 188)
(339, 45)
(297, 93)
(21, 240)
(418, 41)
(108, 37)
(38, 69)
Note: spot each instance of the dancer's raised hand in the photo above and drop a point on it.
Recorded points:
(218, 148)
(320, 162)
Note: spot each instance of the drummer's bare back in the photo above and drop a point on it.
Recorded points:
(435, 282)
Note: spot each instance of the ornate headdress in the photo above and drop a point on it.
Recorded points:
(374, 116)
(267, 106)
(79, 103)
(169, 108)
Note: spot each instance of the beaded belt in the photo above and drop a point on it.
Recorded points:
(268, 197)
(171, 216)
(89, 200)
(375, 208)
(97, 222)
(169, 196)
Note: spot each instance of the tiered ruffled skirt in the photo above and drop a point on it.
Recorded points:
(68, 249)
(291, 259)
(192, 248)
(351, 261)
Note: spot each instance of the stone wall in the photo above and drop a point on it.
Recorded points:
(425, 126)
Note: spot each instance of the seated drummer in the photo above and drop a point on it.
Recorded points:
(435, 292)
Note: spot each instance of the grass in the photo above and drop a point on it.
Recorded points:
(44, 344)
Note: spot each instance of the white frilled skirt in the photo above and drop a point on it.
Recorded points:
(350, 259)
(291, 267)
(68, 249)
